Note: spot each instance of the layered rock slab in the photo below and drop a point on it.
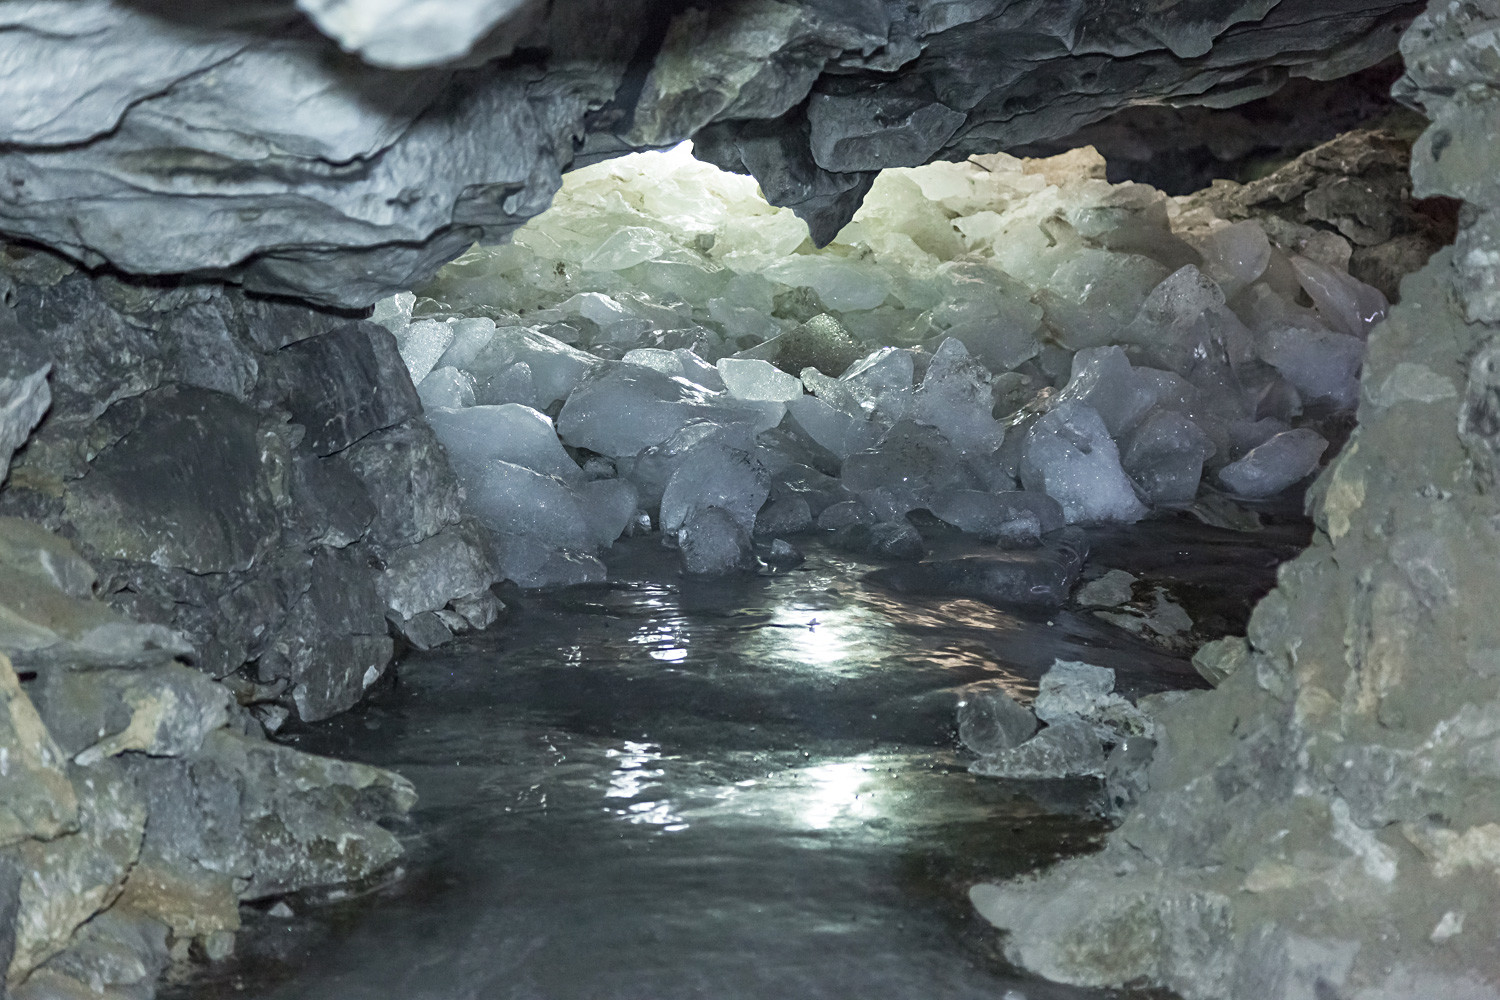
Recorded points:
(345, 166)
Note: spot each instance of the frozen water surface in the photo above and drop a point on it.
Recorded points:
(664, 787)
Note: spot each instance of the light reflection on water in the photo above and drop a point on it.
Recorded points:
(659, 789)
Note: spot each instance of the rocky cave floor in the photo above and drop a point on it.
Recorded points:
(751, 786)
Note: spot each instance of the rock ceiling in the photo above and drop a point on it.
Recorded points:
(339, 150)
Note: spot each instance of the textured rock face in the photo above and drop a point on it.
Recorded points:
(140, 801)
(238, 141)
(1325, 822)
(254, 476)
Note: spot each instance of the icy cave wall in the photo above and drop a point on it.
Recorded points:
(236, 140)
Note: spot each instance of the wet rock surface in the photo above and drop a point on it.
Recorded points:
(345, 165)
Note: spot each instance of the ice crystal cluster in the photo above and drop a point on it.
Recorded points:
(1009, 345)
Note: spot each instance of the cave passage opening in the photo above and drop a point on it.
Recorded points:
(779, 522)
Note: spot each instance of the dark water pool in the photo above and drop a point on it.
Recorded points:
(666, 788)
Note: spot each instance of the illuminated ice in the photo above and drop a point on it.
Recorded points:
(714, 541)
(1013, 519)
(1346, 304)
(1104, 380)
(476, 436)
(625, 409)
(758, 380)
(1070, 456)
(446, 387)
(957, 397)
(421, 345)
(702, 357)
(1164, 457)
(1322, 365)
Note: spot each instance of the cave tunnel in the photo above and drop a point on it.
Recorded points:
(818, 498)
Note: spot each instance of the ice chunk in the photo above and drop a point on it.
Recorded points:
(514, 500)
(1070, 456)
(1321, 364)
(512, 384)
(556, 368)
(785, 516)
(666, 362)
(881, 383)
(477, 436)
(713, 475)
(845, 512)
(1104, 380)
(713, 541)
(911, 468)
(1267, 469)
(957, 396)
(609, 506)
(626, 409)
(1069, 748)
(758, 380)
(1014, 519)
(1165, 456)
(821, 343)
(990, 312)
(695, 369)
(1095, 293)
(681, 363)
(394, 313)
(990, 720)
(1347, 304)
(470, 336)
(834, 430)
(446, 388)
(842, 285)
(629, 246)
(422, 344)
(530, 562)
(1235, 255)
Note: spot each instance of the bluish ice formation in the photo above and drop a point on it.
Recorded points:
(1010, 345)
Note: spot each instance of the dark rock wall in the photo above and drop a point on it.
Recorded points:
(255, 475)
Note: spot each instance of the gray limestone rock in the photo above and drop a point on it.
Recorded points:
(23, 400)
(334, 644)
(10, 903)
(407, 476)
(424, 576)
(164, 711)
(121, 951)
(345, 385)
(184, 485)
(73, 877)
(36, 799)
